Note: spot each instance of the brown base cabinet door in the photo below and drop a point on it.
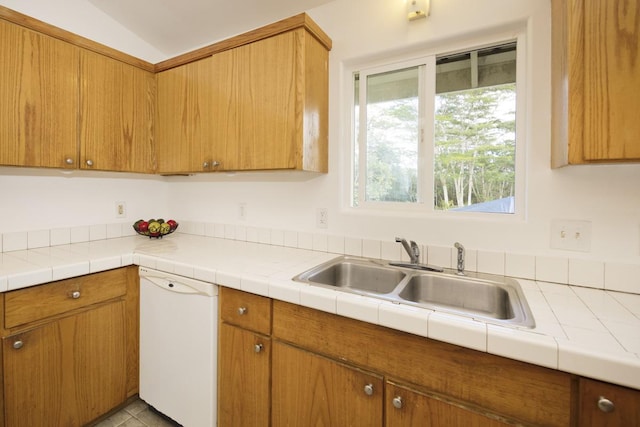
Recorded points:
(405, 407)
(243, 378)
(608, 405)
(67, 372)
(310, 390)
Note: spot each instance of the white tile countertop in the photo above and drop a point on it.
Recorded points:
(580, 330)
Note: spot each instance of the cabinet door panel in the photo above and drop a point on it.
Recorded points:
(611, 68)
(184, 123)
(243, 383)
(67, 372)
(420, 410)
(39, 93)
(310, 390)
(268, 119)
(118, 104)
(626, 405)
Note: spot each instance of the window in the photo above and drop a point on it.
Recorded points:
(438, 133)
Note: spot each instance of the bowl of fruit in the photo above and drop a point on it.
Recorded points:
(155, 227)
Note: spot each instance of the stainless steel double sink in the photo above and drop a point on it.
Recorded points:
(489, 298)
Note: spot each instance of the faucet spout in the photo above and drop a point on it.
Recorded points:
(412, 250)
(460, 265)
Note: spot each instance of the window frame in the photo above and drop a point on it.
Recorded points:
(427, 56)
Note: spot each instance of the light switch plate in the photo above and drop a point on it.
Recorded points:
(571, 235)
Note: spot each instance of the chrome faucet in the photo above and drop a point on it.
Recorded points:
(460, 249)
(413, 250)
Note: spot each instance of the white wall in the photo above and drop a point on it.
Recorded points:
(607, 196)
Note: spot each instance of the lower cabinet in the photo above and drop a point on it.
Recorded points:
(67, 372)
(310, 390)
(71, 356)
(243, 377)
(316, 368)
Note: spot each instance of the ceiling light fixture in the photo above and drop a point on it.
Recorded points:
(417, 9)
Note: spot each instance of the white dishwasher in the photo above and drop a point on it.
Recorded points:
(178, 341)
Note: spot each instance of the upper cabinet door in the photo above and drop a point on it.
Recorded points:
(267, 102)
(184, 123)
(611, 66)
(39, 93)
(596, 69)
(117, 115)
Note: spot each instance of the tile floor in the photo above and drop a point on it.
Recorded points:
(137, 414)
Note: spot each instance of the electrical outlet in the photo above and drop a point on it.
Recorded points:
(322, 218)
(121, 210)
(571, 235)
(242, 211)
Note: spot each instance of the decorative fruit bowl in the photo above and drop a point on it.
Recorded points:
(157, 228)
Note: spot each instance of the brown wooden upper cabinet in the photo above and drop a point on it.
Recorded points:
(39, 99)
(256, 106)
(117, 113)
(596, 81)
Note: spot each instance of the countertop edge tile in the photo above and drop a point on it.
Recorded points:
(521, 345)
(616, 368)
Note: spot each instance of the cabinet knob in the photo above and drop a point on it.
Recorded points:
(89, 162)
(68, 161)
(242, 311)
(368, 389)
(205, 165)
(75, 294)
(397, 402)
(215, 163)
(18, 344)
(258, 348)
(605, 404)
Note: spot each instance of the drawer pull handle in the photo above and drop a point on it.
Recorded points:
(605, 405)
(258, 348)
(397, 402)
(242, 311)
(368, 389)
(75, 294)
(18, 344)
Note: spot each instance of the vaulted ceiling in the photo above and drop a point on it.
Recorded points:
(175, 27)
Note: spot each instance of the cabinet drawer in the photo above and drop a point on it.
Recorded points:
(246, 310)
(39, 302)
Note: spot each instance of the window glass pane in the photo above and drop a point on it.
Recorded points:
(392, 136)
(475, 140)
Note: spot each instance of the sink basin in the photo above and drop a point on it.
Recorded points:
(477, 297)
(359, 275)
(489, 298)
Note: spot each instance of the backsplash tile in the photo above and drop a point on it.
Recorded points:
(371, 248)
(79, 234)
(38, 239)
(353, 246)
(521, 266)
(491, 262)
(552, 269)
(440, 256)
(336, 244)
(622, 277)
(97, 232)
(17, 241)
(320, 242)
(586, 273)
